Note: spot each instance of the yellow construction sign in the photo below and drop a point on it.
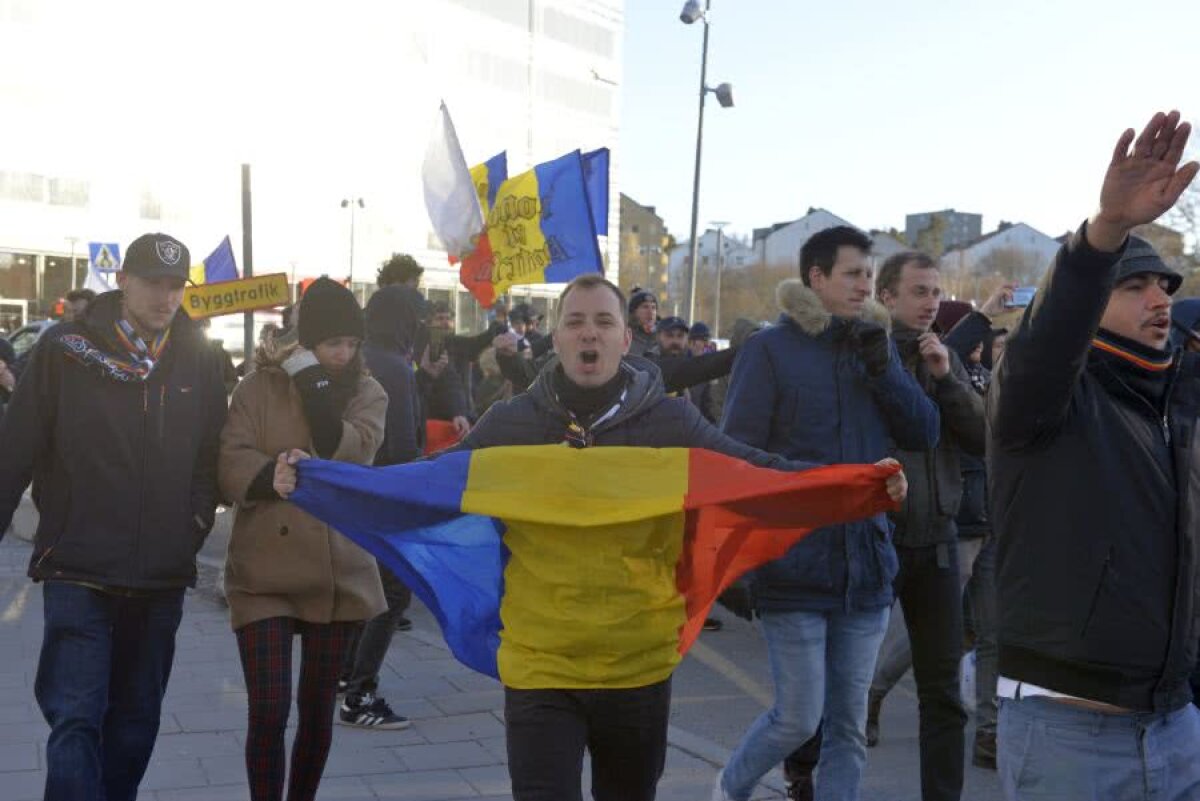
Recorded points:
(232, 297)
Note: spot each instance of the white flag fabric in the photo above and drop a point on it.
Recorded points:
(450, 196)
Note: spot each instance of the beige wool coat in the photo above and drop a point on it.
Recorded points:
(283, 562)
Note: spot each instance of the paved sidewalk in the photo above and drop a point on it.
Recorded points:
(454, 750)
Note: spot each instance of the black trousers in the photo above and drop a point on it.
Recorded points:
(928, 588)
(624, 730)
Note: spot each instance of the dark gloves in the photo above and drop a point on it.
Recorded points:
(870, 342)
(262, 488)
(739, 599)
(313, 383)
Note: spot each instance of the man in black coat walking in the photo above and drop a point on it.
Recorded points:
(1095, 484)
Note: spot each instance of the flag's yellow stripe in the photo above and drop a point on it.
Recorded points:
(196, 274)
(479, 177)
(515, 233)
(590, 597)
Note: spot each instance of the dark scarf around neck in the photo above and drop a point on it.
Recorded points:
(1144, 369)
(587, 403)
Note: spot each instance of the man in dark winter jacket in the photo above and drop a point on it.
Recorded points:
(395, 326)
(643, 317)
(974, 340)
(826, 385)
(591, 396)
(1095, 478)
(674, 348)
(934, 563)
(118, 419)
(8, 379)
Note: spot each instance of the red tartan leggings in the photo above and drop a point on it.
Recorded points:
(266, 650)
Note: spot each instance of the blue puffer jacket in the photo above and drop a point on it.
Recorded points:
(800, 391)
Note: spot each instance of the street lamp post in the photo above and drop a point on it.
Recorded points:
(352, 204)
(720, 226)
(691, 14)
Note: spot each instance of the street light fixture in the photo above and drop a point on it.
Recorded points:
(690, 14)
(352, 204)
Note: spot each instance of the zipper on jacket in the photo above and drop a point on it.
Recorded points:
(137, 537)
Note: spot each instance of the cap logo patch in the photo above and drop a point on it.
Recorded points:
(169, 252)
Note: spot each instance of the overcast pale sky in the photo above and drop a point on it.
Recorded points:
(876, 108)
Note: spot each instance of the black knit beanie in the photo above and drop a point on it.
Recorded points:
(329, 310)
(639, 297)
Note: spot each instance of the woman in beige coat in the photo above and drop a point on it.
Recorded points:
(287, 573)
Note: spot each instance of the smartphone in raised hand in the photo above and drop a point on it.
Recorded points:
(1022, 296)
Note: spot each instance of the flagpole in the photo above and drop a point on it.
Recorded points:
(247, 259)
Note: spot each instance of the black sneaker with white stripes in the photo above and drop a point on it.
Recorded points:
(368, 711)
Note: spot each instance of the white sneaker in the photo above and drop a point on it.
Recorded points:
(718, 793)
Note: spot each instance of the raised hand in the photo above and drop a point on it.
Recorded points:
(997, 304)
(1142, 184)
(935, 354)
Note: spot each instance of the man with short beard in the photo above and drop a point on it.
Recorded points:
(1095, 478)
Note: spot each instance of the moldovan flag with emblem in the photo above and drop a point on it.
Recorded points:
(587, 568)
(540, 230)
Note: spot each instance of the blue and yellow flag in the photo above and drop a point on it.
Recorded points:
(602, 575)
(219, 266)
(487, 178)
(595, 177)
(539, 230)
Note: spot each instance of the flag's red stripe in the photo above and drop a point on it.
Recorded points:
(740, 517)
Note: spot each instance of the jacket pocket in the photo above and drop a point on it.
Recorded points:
(882, 555)
(1091, 611)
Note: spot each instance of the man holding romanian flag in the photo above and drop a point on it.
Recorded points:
(603, 574)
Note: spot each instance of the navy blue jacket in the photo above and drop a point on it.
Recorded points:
(799, 391)
(394, 327)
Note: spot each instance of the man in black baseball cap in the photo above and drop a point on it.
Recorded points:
(672, 333)
(119, 415)
(152, 278)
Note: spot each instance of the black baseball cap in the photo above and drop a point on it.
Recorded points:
(672, 324)
(153, 255)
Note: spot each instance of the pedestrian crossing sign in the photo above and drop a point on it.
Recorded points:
(105, 257)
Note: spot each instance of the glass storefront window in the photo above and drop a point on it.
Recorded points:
(18, 275)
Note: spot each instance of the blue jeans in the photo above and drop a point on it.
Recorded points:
(100, 683)
(1051, 750)
(822, 663)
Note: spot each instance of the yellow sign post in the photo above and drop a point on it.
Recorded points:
(232, 297)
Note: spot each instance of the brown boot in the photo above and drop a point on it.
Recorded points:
(874, 703)
(985, 751)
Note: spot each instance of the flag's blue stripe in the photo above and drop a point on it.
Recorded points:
(567, 219)
(497, 170)
(595, 176)
(409, 517)
(221, 265)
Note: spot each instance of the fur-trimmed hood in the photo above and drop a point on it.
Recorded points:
(805, 309)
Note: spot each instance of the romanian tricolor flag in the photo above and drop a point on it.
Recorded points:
(539, 230)
(553, 567)
(219, 266)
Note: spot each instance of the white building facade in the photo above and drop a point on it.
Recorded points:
(326, 104)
